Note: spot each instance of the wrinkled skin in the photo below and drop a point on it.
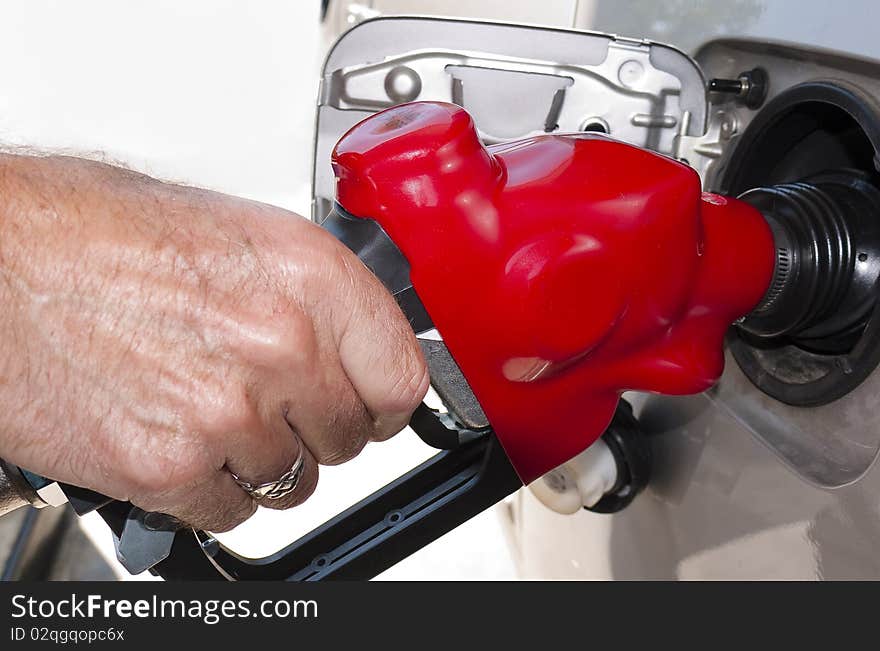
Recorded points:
(155, 338)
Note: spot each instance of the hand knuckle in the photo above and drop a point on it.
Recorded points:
(223, 409)
(296, 345)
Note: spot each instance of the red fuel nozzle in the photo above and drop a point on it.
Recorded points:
(561, 270)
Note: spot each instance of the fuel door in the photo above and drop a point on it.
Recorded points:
(516, 81)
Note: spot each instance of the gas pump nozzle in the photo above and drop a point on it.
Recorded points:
(545, 276)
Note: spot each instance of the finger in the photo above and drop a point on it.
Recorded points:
(326, 412)
(380, 355)
(269, 450)
(317, 398)
(215, 504)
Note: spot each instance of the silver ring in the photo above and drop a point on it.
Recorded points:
(275, 490)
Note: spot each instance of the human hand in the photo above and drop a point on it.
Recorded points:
(157, 338)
